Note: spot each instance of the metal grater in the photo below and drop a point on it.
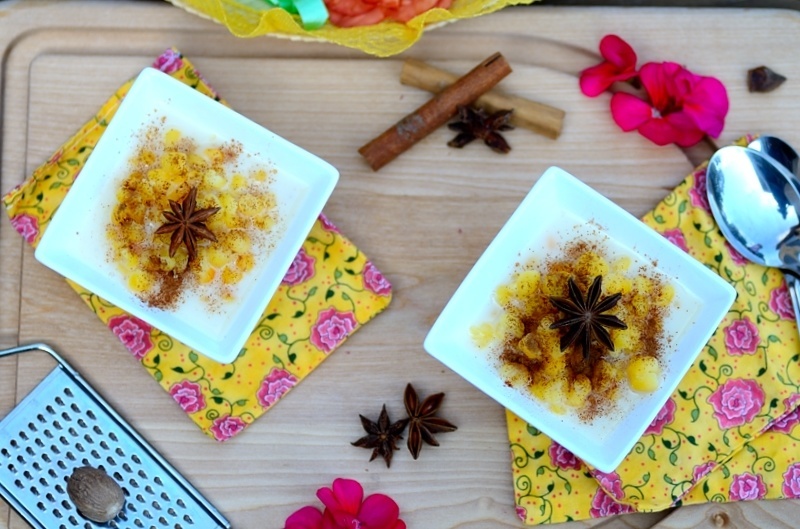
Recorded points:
(63, 424)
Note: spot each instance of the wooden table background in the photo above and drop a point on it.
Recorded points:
(424, 219)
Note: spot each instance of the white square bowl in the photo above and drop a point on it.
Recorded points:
(75, 243)
(555, 212)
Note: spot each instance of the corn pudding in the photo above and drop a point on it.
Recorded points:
(543, 351)
(166, 167)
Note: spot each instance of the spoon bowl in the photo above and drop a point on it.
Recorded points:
(780, 151)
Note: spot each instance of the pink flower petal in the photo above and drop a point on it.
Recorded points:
(597, 79)
(345, 497)
(306, 518)
(379, 510)
(630, 112)
(618, 52)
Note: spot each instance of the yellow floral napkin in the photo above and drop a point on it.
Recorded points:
(728, 433)
(330, 290)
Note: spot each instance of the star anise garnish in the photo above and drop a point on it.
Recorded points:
(423, 422)
(475, 123)
(585, 319)
(186, 224)
(382, 436)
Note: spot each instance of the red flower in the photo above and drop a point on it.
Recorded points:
(274, 386)
(189, 395)
(301, 269)
(375, 281)
(332, 328)
(226, 427)
(346, 508)
(664, 417)
(619, 65)
(133, 333)
(27, 226)
(563, 458)
(683, 107)
(350, 13)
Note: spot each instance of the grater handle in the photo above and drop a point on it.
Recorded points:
(40, 347)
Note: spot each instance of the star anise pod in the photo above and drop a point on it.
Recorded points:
(475, 123)
(423, 422)
(585, 319)
(382, 436)
(186, 224)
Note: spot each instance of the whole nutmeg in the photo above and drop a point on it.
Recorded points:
(95, 494)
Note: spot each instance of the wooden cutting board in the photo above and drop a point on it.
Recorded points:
(423, 219)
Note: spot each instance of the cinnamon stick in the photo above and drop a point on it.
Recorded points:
(538, 117)
(435, 113)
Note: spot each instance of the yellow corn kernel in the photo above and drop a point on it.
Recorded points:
(482, 335)
(625, 341)
(526, 283)
(259, 175)
(529, 346)
(553, 394)
(172, 137)
(238, 181)
(579, 391)
(644, 373)
(264, 223)
(230, 276)
(503, 295)
(621, 264)
(139, 282)
(215, 156)
(245, 262)
(514, 374)
(207, 275)
(249, 206)
(216, 258)
(146, 157)
(511, 326)
(666, 295)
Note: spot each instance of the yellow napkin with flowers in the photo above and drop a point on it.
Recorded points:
(330, 290)
(729, 432)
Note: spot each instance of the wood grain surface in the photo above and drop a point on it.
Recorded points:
(423, 219)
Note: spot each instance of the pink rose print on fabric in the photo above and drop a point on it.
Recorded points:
(747, 487)
(274, 385)
(736, 402)
(133, 333)
(780, 302)
(736, 257)
(701, 471)
(374, 280)
(332, 328)
(677, 238)
(301, 269)
(522, 514)
(611, 482)
(327, 224)
(698, 194)
(27, 226)
(188, 395)
(563, 458)
(604, 505)
(665, 416)
(791, 482)
(226, 427)
(169, 61)
(786, 422)
(741, 337)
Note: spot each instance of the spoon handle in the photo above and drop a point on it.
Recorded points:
(793, 284)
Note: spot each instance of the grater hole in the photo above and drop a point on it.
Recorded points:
(58, 425)
(49, 497)
(134, 484)
(95, 454)
(72, 431)
(19, 484)
(142, 474)
(52, 473)
(59, 489)
(79, 447)
(181, 504)
(49, 409)
(117, 476)
(165, 496)
(119, 452)
(34, 490)
(14, 443)
(138, 523)
(60, 463)
(12, 468)
(59, 401)
(158, 481)
(63, 440)
(68, 392)
(113, 436)
(29, 450)
(73, 520)
(91, 415)
(39, 442)
(136, 459)
(178, 526)
(48, 434)
(147, 514)
(57, 513)
(65, 504)
(81, 423)
(70, 456)
(40, 506)
(27, 475)
(42, 482)
(54, 449)
(88, 439)
(148, 489)
(37, 467)
(111, 461)
(23, 436)
(32, 427)
(162, 520)
(127, 468)
(156, 505)
(140, 498)
(21, 459)
(40, 418)
(66, 416)
(4, 452)
(96, 429)
(188, 519)
(46, 458)
(172, 512)
(104, 445)
(74, 407)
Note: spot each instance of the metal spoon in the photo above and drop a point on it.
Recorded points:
(755, 203)
(780, 151)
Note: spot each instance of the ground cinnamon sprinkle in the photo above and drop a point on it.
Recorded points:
(528, 351)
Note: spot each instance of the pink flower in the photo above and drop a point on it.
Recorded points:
(741, 337)
(780, 302)
(563, 458)
(736, 402)
(189, 395)
(346, 508)
(604, 505)
(168, 62)
(676, 237)
(374, 281)
(27, 226)
(665, 416)
(683, 107)
(133, 333)
(225, 427)
(736, 257)
(332, 328)
(698, 194)
(746, 486)
(619, 65)
(327, 224)
(522, 514)
(791, 481)
(786, 422)
(701, 471)
(610, 482)
(274, 385)
(301, 269)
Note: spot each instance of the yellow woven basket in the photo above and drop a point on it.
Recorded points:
(245, 19)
